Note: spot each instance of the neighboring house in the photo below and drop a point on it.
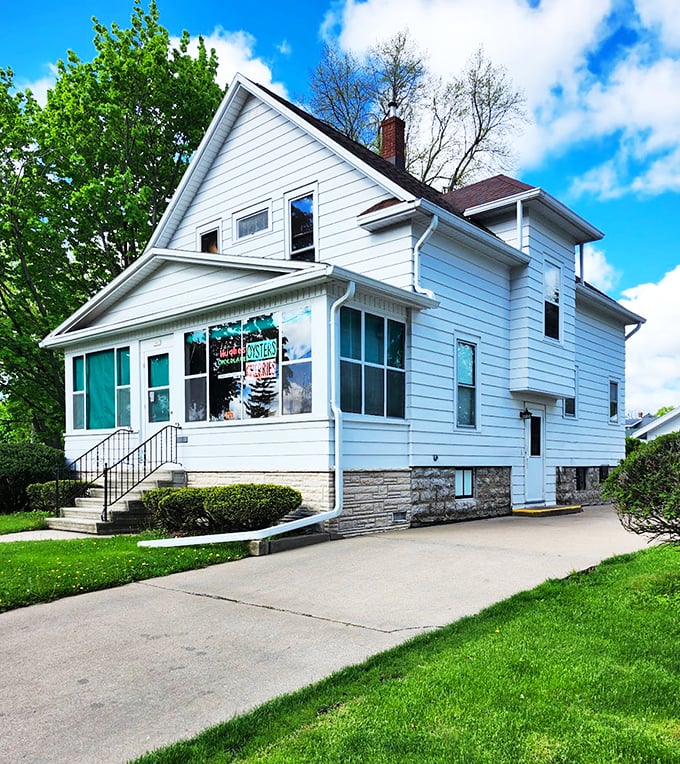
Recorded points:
(637, 422)
(295, 274)
(661, 425)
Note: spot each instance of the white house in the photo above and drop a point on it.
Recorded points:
(312, 315)
(662, 425)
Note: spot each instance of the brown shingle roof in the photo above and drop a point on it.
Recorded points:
(405, 180)
(489, 190)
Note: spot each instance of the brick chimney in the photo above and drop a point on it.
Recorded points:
(393, 144)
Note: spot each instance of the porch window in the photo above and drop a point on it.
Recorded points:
(372, 369)
(253, 368)
(101, 389)
(466, 384)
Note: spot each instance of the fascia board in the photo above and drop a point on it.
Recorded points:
(392, 215)
(656, 423)
(150, 261)
(308, 275)
(608, 305)
(542, 197)
(466, 229)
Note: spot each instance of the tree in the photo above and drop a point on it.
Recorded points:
(645, 488)
(664, 410)
(83, 182)
(455, 129)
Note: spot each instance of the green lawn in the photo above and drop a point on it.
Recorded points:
(22, 521)
(40, 571)
(584, 670)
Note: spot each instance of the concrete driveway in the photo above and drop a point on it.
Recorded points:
(104, 677)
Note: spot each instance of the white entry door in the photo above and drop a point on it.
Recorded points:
(157, 399)
(534, 448)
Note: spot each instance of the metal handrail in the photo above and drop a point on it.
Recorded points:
(127, 473)
(89, 467)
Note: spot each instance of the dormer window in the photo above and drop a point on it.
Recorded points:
(301, 227)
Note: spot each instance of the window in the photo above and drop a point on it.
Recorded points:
(581, 478)
(209, 241)
(252, 221)
(569, 407)
(100, 393)
(466, 384)
(158, 387)
(253, 368)
(604, 472)
(372, 373)
(464, 483)
(551, 296)
(301, 228)
(614, 402)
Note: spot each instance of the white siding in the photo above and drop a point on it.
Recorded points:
(266, 157)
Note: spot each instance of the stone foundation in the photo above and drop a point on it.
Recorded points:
(567, 490)
(382, 500)
(433, 491)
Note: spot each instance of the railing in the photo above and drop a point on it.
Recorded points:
(90, 466)
(127, 473)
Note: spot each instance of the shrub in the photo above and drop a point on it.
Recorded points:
(22, 464)
(41, 496)
(178, 511)
(633, 444)
(249, 506)
(645, 488)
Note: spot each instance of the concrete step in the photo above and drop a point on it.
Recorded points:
(571, 509)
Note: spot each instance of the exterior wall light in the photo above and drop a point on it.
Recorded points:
(525, 413)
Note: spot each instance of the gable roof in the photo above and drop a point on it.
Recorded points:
(672, 418)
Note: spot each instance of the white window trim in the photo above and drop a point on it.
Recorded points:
(291, 196)
(213, 225)
(560, 303)
(617, 419)
(575, 397)
(253, 209)
(471, 339)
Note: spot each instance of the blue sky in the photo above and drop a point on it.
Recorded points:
(602, 81)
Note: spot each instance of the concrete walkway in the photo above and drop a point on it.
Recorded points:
(104, 677)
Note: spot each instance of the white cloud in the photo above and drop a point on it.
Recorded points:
(40, 86)
(235, 53)
(552, 52)
(596, 270)
(653, 354)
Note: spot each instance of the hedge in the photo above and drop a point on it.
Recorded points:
(41, 496)
(22, 464)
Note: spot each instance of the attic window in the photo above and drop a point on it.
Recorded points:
(209, 241)
(252, 221)
(301, 220)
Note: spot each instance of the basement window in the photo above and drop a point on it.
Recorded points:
(464, 482)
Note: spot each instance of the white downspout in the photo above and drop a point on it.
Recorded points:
(520, 225)
(632, 332)
(416, 257)
(275, 530)
(581, 276)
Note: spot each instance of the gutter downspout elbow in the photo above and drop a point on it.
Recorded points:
(416, 258)
(633, 331)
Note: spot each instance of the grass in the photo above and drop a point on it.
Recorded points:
(22, 521)
(584, 670)
(41, 571)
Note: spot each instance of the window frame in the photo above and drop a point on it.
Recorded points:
(248, 212)
(362, 363)
(293, 196)
(548, 264)
(464, 472)
(614, 402)
(118, 389)
(206, 228)
(474, 342)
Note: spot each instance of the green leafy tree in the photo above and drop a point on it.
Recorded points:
(83, 182)
(645, 488)
(664, 410)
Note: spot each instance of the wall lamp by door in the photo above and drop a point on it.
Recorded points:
(525, 413)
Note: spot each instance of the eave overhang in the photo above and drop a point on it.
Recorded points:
(593, 297)
(294, 276)
(580, 228)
